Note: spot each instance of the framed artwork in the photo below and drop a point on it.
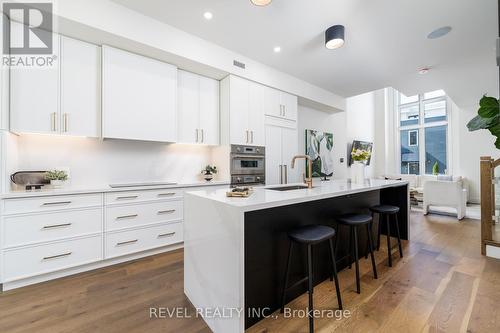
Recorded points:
(364, 145)
(319, 147)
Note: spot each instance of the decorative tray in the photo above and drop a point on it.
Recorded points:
(240, 192)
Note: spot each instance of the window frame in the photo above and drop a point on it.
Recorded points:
(420, 127)
(409, 138)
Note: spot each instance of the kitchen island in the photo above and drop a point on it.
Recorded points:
(235, 249)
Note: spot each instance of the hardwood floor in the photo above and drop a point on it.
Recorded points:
(443, 284)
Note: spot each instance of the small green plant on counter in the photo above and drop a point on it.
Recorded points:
(435, 169)
(56, 175)
(209, 169)
(360, 155)
(488, 118)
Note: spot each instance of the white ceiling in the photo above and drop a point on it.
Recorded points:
(385, 45)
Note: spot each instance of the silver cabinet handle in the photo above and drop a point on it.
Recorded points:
(53, 121)
(56, 203)
(127, 197)
(127, 242)
(131, 216)
(284, 110)
(57, 256)
(197, 136)
(202, 135)
(285, 167)
(247, 136)
(169, 211)
(168, 234)
(251, 132)
(65, 120)
(281, 174)
(168, 194)
(56, 226)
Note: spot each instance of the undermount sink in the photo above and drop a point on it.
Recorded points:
(288, 188)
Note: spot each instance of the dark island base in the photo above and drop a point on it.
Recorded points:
(266, 244)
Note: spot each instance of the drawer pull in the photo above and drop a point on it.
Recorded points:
(57, 256)
(56, 203)
(56, 226)
(130, 197)
(127, 216)
(127, 242)
(168, 234)
(166, 211)
(169, 194)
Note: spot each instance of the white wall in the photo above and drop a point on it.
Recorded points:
(470, 147)
(327, 122)
(95, 163)
(365, 121)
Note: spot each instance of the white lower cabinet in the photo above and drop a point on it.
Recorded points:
(46, 258)
(136, 240)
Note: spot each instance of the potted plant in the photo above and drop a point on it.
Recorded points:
(488, 118)
(56, 177)
(209, 172)
(435, 169)
(360, 157)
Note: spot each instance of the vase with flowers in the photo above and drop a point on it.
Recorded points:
(56, 177)
(208, 172)
(359, 157)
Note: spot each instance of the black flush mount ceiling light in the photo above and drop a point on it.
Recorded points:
(334, 37)
(261, 2)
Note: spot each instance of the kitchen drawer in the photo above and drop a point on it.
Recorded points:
(120, 217)
(43, 227)
(48, 203)
(40, 259)
(126, 242)
(145, 195)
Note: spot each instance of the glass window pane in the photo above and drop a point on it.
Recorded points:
(405, 99)
(409, 153)
(409, 115)
(435, 111)
(434, 94)
(435, 150)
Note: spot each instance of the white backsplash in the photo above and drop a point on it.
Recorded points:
(92, 162)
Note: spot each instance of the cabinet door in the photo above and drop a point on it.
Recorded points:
(273, 155)
(290, 148)
(256, 124)
(239, 109)
(139, 97)
(289, 103)
(272, 102)
(34, 97)
(188, 108)
(209, 110)
(80, 88)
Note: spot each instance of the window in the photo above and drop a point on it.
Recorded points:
(423, 127)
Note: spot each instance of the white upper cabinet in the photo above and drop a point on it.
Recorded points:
(80, 88)
(280, 104)
(34, 94)
(242, 110)
(139, 97)
(62, 100)
(198, 109)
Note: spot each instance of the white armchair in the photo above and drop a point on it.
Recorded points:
(445, 193)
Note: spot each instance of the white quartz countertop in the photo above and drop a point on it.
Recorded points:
(264, 197)
(103, 189)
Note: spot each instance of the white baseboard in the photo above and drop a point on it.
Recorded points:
(493, 251)
(75, 270)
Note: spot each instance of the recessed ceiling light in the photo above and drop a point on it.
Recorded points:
(439, 32)
(261, 2)
(208, 15)
(334, 37)
(424, 70)
(277, 49)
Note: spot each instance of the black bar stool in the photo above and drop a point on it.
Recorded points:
(354, 221)
(310, 235)
(387, 211)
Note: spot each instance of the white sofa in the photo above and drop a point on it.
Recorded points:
(442, 191)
